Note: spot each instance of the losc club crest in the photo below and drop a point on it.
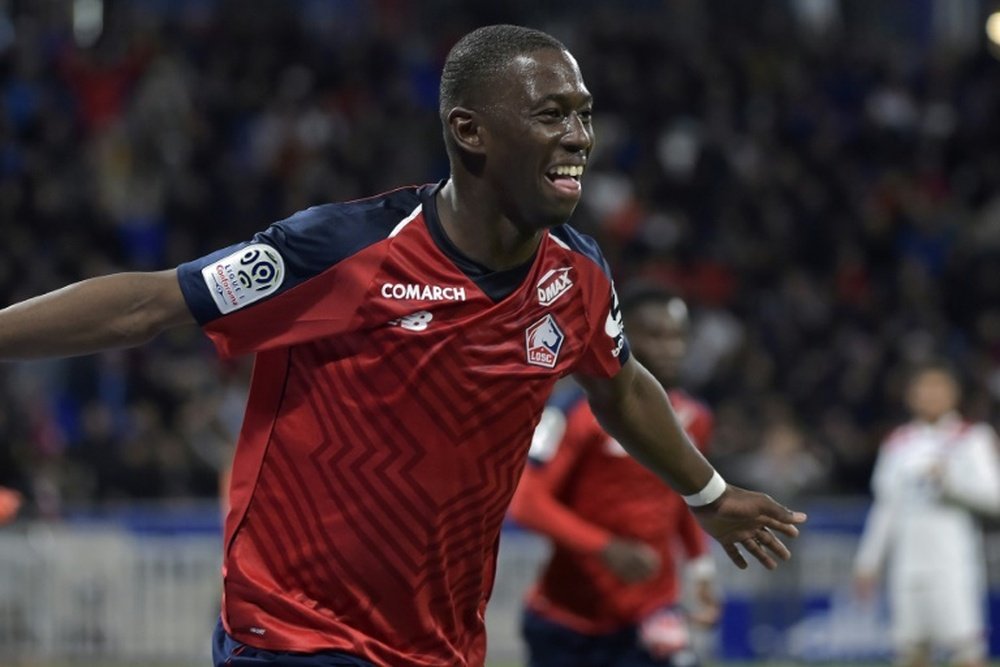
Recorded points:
(543, 340)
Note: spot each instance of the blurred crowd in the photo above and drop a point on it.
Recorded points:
(823, 193)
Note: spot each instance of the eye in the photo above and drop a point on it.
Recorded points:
(551, 114)
(586, 115)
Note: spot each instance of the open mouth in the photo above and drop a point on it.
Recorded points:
(566, 179)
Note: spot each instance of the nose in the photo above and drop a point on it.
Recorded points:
(579, 135)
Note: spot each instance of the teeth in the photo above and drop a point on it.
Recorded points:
(574, 171)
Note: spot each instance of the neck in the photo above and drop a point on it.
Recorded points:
(471, 218)
(933, 420)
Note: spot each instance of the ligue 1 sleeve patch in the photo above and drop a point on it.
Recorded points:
(245, 276)
(543, 340)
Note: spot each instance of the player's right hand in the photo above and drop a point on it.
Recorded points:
(630, 560)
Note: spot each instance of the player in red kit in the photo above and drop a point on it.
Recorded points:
(405, 347)
(609, 594)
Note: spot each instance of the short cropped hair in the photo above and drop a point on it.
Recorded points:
(480, 56)
(934, 364)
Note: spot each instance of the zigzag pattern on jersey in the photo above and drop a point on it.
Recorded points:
(445, 555)
(497, 470)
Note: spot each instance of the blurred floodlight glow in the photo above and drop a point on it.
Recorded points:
(88, 21)
(993, 28)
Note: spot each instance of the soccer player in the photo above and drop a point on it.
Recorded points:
(933, 476)
(405, 347)
(609, 595)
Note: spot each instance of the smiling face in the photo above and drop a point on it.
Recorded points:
(537, 136)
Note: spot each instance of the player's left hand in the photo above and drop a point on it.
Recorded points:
(750, 519)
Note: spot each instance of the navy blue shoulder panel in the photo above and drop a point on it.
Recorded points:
(582, 244)
(306, 243)
(313, 240)
(587, 246)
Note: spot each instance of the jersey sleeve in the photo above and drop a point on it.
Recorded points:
(301, 278)
(536, 504)
(607, 348)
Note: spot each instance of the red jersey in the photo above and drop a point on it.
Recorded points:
(394, 395)
(581, 489)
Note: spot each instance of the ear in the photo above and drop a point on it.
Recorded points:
(467, 130)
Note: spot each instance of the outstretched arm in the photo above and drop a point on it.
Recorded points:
(119, 310)
(633, 407)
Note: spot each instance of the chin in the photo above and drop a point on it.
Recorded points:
(545, 220)
(558, 215)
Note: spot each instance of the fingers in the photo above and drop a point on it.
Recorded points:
(756, 549)
(764, 546)
(778, 517)
(735, 556)
(784, 527)
(779, 526)
(769, 540)
(778, 511)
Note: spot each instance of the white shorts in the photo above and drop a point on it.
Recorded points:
(945, 611)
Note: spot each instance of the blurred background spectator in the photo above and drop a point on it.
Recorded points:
(819, 179)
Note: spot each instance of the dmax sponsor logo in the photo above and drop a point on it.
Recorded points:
(412, 292)
(553, 285)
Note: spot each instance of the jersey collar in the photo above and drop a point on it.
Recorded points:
(497, 285)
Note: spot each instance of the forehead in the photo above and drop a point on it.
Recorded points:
(533, 77)
(934, 377)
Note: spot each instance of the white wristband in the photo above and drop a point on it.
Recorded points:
(708, 495)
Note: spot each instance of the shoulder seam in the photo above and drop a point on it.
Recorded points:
(579, 247)
(405, 221)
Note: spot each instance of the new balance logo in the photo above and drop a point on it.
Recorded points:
(417, 321)
(412, 292)
(553, 285)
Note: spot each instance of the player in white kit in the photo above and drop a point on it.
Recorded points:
(935, 476)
